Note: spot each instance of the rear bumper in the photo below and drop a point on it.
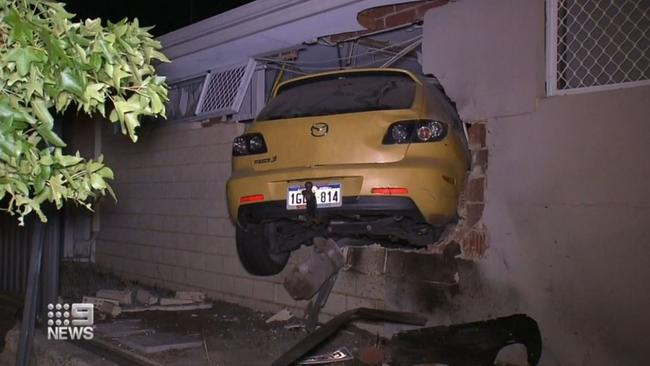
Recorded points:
(434, 197)
(363, 206)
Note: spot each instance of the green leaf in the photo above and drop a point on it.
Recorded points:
(20, 31)
(97, 182)
(24, 57)
(131, 121)
(41, 112)
(106, 173)
(123, 106)
(71, 82)
(66, 160)
(33, 86)
(93, 91)
(50, 136)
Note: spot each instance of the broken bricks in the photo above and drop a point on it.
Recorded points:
(107, 306)
(121, 296)
(281, 316)
(195, 296)
(304, 280)
(145, 297)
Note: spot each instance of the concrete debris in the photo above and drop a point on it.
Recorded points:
(145, 297)
(295, 327)
(281, 316)
(340, 355)
(137, 309)
(196, 296)
(160, 342)
(122, 328)
(107, 306)
(122, 296)
(304, 280)
(175, 301)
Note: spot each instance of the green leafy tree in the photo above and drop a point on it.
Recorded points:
(48, 62)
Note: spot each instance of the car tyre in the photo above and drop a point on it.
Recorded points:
(254, 250)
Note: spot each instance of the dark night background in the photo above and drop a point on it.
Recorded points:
(166, 15)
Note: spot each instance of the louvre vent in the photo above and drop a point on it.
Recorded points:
(224, 90)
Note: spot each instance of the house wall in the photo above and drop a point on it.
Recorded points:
(567, 197)
(170, 226)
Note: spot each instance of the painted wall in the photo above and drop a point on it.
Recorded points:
(170, 226)
(567, 200)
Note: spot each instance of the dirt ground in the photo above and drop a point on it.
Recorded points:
(232, 334)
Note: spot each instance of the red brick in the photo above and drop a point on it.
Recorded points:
(477, 135)
(379, 11)
(474, 244)
(403, 17)
(480, 158)
(411, 5)
(475, 190)
(473, 213)
(370, 22)
(421, 9)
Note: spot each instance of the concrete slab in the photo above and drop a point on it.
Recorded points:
(122, 328)
(160, 342)
(168, 308)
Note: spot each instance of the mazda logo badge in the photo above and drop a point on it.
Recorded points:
(319, 129)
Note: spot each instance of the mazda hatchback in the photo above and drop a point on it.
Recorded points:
(361, 156)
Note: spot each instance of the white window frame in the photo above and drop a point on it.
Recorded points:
(551, 60)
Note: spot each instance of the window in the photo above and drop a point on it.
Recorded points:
(597, 45)
(341, 93)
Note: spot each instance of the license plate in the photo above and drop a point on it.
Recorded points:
(327, 195)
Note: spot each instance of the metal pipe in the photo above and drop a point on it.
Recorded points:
(403, 52)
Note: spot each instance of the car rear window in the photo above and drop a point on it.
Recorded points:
(341, 93)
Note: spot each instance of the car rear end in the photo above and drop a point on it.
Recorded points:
(384, 159)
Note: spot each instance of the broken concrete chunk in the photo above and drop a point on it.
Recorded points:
(122, 328)
(146, 297)
(193, 306)
(196, 296)
(174, 301)
(281, 316)
(107, 306)
(304, 280)
(160, 342)
(121, 296)
(340, 355)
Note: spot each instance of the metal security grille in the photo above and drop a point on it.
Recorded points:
(597, 44)
(224, 90)
(184, 98)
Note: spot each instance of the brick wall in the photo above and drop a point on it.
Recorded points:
(470, 232)
(394, 15)
(170, 226)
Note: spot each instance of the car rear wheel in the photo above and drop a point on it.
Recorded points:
(254, 250)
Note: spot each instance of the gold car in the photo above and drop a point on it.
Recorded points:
(365, 155)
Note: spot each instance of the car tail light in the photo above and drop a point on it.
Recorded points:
(249, 144)
(389, 190)
(406, 132)
(251, 198)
